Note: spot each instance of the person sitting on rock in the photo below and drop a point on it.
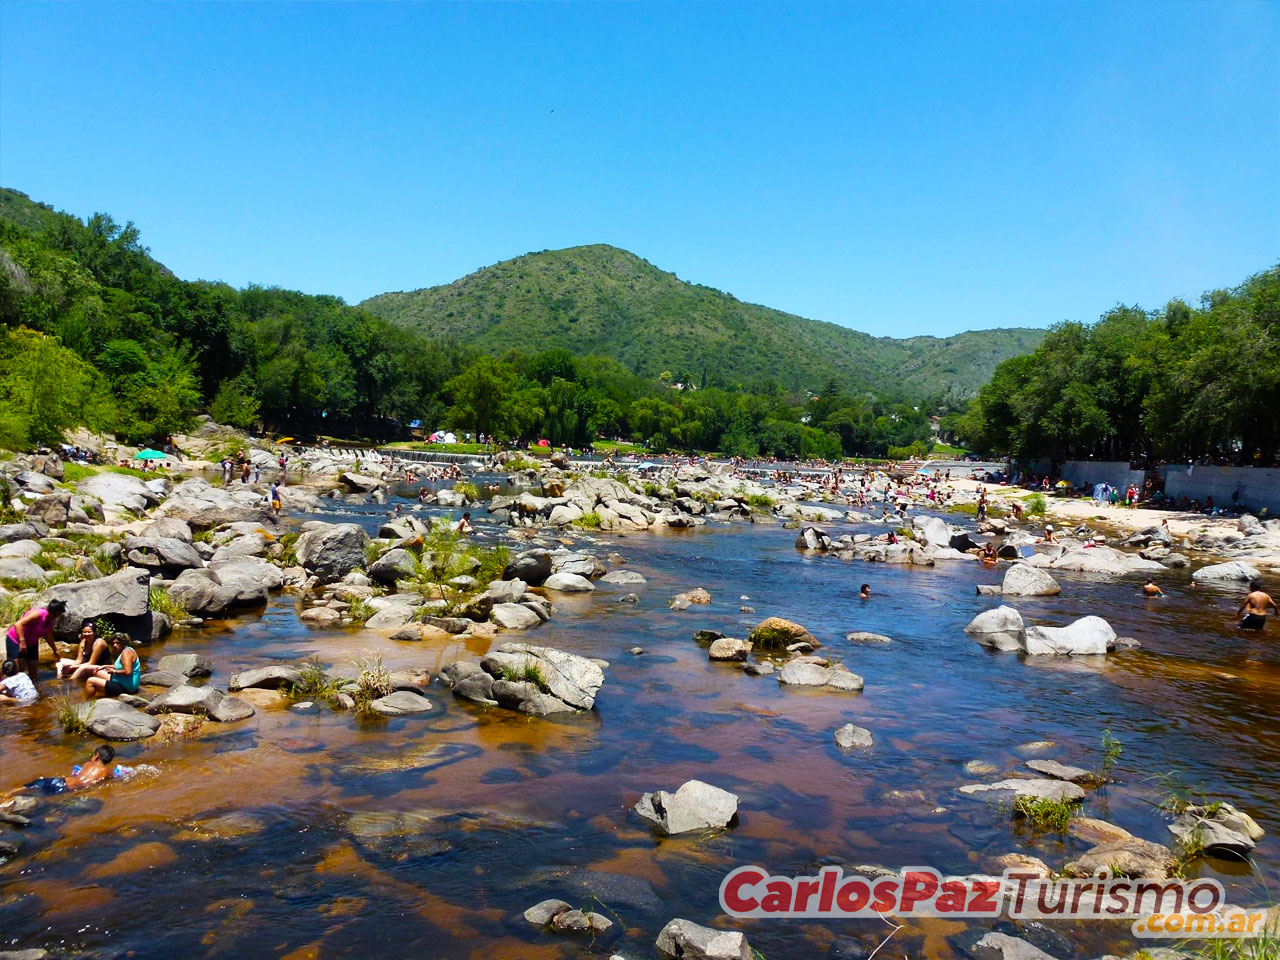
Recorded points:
(15, 685)
(91, 651)
(123, 676)
(1048, 534)
(988, 553)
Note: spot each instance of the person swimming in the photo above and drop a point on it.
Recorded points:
(864, 592)
(97, 767)
(1149, 589)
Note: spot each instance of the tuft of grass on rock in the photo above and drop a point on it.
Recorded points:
(162, 601)
(1045, 814)
(68, 716)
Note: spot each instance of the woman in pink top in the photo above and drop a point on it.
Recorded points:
(22, 642)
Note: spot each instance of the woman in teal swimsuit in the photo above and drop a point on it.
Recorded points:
(123, 676)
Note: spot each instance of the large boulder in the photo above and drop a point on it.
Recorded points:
(1219, 827)
(568, 583)
(122, 596)
(566, 676)
(253, 571)
(1022, 580)
(395, 564)
(209, 701)
(13, 532)
(514, 616)
(532, 566)
(932, 531)
(1235, 571)
(170, 528)
(685, 940)
(113, 720)
(775, 633)
(168, 555)
(252, 544)
(52, 510)
(330, 551)
(1130, 857)
(695, 806)
(360, 483)
(22, 569)
(267, 678)
(118, 490)
(1000, 629)
(1085, 637)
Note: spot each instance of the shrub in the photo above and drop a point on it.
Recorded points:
(588, 521)
(1035, 505)
(651, 489)
(314, 685)
(359, 611)
(1045, 814)
(373, 682)
(760, 501)
(69, 718)
(162, 601)
(468, 490)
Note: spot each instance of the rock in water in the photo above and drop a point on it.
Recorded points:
(1001, 946)
(267, 678)
(568, 583)
(1023, 580)
(113, 720)
(1036, 789)
(686, 940)
(330, 551)
(1236, 570)
(775, 633)
(851, 736)
(695, 806)
(532, 566)
(400, 703)
(1087, 636)
(1124, 858)
(728, 648)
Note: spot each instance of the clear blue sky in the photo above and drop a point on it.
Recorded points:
(900, 169)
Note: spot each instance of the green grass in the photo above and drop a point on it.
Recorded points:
(162, 601)
(468, 490)
(1112, 748)
(68, 716)
(472, 448)
(616, 446)
(760, 502)
(314, 685)
(1045, 814)
(517, 463)
(75, 472)
(373, 682)
(359, 611)
(945, 451)
(530, 673)
(1264, 947)
(12, 607)
(588, 521)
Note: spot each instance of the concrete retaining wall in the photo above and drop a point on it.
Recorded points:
(1258, 487)
(1116, 473)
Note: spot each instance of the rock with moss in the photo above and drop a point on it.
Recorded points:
(775, 633)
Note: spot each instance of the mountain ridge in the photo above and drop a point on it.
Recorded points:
(598, 298)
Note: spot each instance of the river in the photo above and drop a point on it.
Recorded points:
(318, 835)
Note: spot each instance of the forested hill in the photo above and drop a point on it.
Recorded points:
(602, 300)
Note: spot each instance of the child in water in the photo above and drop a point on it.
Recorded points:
(97, 767)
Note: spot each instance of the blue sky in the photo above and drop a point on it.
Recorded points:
(901, 169)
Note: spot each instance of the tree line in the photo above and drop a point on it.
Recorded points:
(1181, 383)
(98, 333)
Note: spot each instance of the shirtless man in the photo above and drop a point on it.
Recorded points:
(1255, 608)
(1149, 589)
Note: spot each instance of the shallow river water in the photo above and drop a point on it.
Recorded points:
(318, 835)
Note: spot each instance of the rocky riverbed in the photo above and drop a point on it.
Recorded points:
(434, 825)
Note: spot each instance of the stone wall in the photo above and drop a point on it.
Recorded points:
(1090, 472)
(1258, 487)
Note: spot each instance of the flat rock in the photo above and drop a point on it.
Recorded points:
(268, 678)
(568, 583)
(113, 720)
(541, 914)
(210, 701)
(1233, 571)
(400, 703)
(1060, 771)
(1037, 788)
(862, 636)
(1001, 946)
(1022, 580)
(187, 664)
(622, 577)
(1130, 858)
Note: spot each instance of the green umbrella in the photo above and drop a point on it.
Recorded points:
(149, 455)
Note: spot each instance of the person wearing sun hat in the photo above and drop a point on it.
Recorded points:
(1048, 534)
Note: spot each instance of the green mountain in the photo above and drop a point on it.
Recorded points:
(599, 299)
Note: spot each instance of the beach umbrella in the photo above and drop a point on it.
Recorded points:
(149, 455)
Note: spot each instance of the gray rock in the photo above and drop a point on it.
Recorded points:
(125, 594)
(400, 703)
(506, 591)
(541, 914)
(1087, 636)
(532, 566)
(331, 551)
(1233, 571)
(210, 701)
(20, 568)
(861, 636)
(1001, 946)
(1035, 788)
(568, 583)
(695, 806)
(685, 940)
(186, 664)
(1000, 629)
(247, 545)
(13, 532)
(113, 720)
(850, 736)
(268, 678)
(1129, 857)
(168, 528)
(762, 669)
(514, 616)
(1223, 828)
(729, 648)
(568, 677)
(118, 490)
(1023, 580)
(162, 678)
(622, 577)
(1060, 771)
(395, 564)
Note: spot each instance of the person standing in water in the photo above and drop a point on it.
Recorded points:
(1149, 589)
(22, 642)
(1255, 608)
